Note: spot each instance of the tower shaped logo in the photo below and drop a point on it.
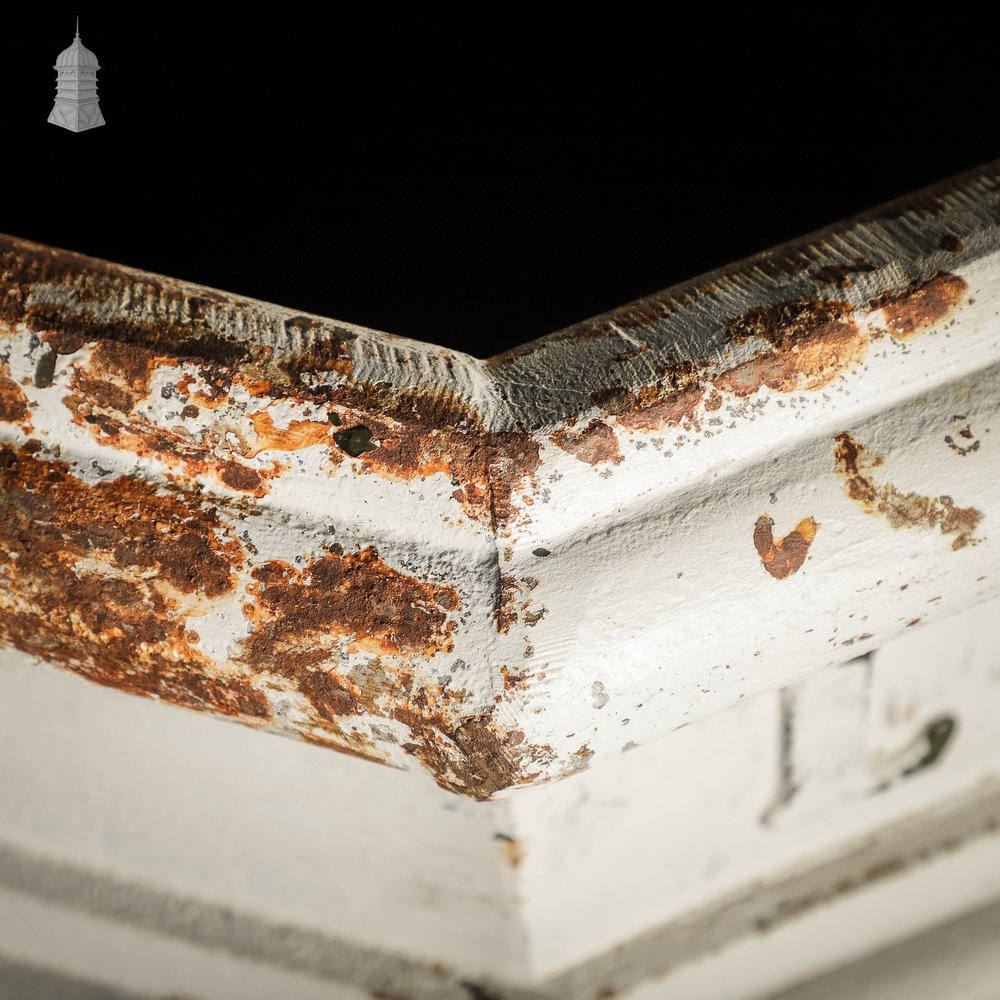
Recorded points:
(76, 106)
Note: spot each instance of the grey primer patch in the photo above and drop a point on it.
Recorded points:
(45, 370)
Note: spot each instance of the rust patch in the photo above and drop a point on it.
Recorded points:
(105, 391)
(300, 614)
(13, 402)
(654, 407)
(900, 509)
(419, 432)
(101, 579)
(951, 243)
(513, 681)
(298, 434)
(921, 305)
(239, 477)
(783, 556)
(595, 444)
(423, 432)
(813, 343)
(473, 758)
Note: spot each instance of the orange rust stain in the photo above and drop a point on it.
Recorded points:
(900, 509)
(595, 444)
(13, 402)
(323, 353)
(117, 375)
(182, 450)
(64, 341)
(467, 754)
(921, 305)
(425, 432)
(783, 556)
(210, 394)
(101, 578)
(298, 434)
(813, 343)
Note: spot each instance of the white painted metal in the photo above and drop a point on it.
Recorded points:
(725, 561)
(601, 579)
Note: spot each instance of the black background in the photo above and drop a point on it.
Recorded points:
(477, 179)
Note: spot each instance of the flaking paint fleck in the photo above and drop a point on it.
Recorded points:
(595, 444)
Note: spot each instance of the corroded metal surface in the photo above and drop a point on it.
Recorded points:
(489, 569)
